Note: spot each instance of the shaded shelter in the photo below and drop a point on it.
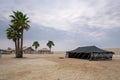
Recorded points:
(28, 50)
(44, 51)
(91, 53)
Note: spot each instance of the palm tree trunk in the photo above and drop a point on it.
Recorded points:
(21, 43)
(16, 50)
(20, 46)
(18, 54)
(50, 49)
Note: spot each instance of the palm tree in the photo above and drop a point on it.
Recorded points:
(14, 35)
(36, 44)
(50, 44)
(21, 21)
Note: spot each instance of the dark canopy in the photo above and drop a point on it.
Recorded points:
(88, 49)
(90, 52)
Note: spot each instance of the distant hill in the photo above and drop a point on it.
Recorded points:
(116, 50)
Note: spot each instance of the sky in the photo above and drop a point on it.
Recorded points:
(68, 23)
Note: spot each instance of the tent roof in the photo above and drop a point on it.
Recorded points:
(89, 49)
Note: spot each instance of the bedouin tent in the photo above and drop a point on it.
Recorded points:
(90, 52)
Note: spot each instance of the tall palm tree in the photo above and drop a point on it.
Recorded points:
(21, 21)
(14, 35)
(36, 44)
(50, 44)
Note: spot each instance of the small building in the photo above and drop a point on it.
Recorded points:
(90, 53)
(28, 50)
(2, 51)
(13, 51)
(44, 51)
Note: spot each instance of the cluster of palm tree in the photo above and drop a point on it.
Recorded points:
(49, 44)
(19, 23)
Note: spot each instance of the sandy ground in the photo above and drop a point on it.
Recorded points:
(53, 67)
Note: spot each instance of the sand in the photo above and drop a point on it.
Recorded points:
(56, 67)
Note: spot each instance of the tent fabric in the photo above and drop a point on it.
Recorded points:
(90, 52)
(88, 49)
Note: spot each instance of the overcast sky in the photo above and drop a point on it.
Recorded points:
(69, 23)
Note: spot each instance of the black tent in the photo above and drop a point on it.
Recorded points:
(90, 52)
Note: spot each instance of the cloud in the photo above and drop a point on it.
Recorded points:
(40, 32)
(62, 14)
(59, 17)
(67, 22)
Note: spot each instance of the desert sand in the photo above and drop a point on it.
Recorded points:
(56, 67)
